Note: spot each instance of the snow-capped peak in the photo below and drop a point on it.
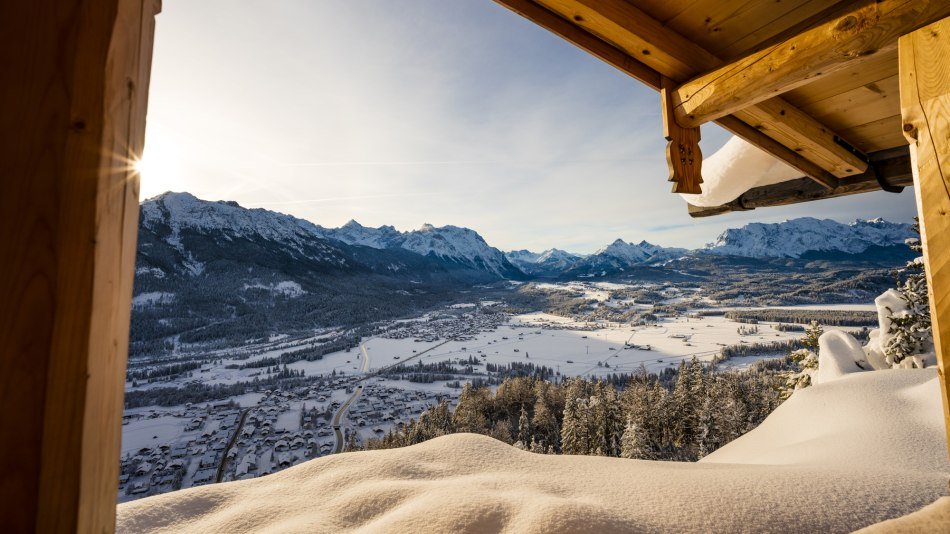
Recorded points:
(795, 237)
(183, 210)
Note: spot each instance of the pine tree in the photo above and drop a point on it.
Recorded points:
(910, 331)
(524, 430)
(571, 433)
(607, 419)
(812, 332)
(469, 415)
(544, 422)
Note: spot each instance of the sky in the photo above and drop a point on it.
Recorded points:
(423, 111)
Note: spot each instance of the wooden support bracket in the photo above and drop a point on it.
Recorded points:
(683, 155)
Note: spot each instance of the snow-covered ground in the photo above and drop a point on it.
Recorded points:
(835, 457)
(459, 333)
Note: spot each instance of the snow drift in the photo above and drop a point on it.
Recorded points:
(835, 457)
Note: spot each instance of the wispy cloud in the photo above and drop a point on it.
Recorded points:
(444, 112)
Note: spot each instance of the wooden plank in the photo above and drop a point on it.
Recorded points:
(870, 102)
(729, 28)
(854, 33)
(749, 42)
(892, 166)
(69, 219)
(925, 108)
(675, 57)
(881, 67)
(877, 135)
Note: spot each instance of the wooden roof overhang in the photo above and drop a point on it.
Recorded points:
(814, 83)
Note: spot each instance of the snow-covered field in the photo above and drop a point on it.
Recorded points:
(879, 454)
(217, 433)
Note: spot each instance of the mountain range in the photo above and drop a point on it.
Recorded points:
(216, 272)
(178, 229)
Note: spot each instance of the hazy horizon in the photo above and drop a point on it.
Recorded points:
(450, 113)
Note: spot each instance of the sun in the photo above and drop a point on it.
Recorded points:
(160, 166)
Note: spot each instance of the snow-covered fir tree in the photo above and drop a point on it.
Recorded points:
(910, 329)
(524, 430)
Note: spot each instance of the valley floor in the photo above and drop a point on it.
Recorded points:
(306, 409)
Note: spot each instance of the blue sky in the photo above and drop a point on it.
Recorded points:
(422, 111)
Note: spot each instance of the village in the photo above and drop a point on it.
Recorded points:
(306, 409)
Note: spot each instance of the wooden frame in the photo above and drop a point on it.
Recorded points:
(925, 109)
(75, 94)
(74, 98)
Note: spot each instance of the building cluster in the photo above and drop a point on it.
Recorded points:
(457, 326)
(382, 407)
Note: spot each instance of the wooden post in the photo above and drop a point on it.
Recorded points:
(683, 156)
(72, 99)
(925, 109)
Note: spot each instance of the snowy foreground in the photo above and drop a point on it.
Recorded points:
(835, 457)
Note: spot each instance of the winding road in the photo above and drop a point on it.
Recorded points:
(338, 416)
(346, 405)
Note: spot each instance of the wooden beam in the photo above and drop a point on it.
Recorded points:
(644, 42)
(924, 58)
(74, 93)
(588, 42)
(855, 32)
(888, 167)
(683, 155)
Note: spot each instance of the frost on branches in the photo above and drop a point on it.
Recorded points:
(909, 318)
(806, 359)
(903, 340)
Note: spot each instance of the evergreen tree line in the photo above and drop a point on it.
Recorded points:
(800, 316)
(164, 372)
(757, 349)
(687, 415)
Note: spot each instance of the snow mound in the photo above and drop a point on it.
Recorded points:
(734, 169)
(838, 354)
(875, 421)
(878, 454)
(932, 518)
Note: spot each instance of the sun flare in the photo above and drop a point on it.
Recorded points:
(160, 166)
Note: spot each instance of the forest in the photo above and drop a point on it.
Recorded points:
(681, 415)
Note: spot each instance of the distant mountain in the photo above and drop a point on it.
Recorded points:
(809, 237)
(621, 256)
(452, 244)
(218, 273)
(213, 271)
(551, 262)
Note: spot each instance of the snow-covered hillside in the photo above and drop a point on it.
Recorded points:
(796, 237)
(550, 262)
(450, 243)
(178, 211)
(171, 213)
(834, 458)
(621, 256)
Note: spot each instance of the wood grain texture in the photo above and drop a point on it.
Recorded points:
(683, 155)
(75, 101)
(856, 32)
(925, 109)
